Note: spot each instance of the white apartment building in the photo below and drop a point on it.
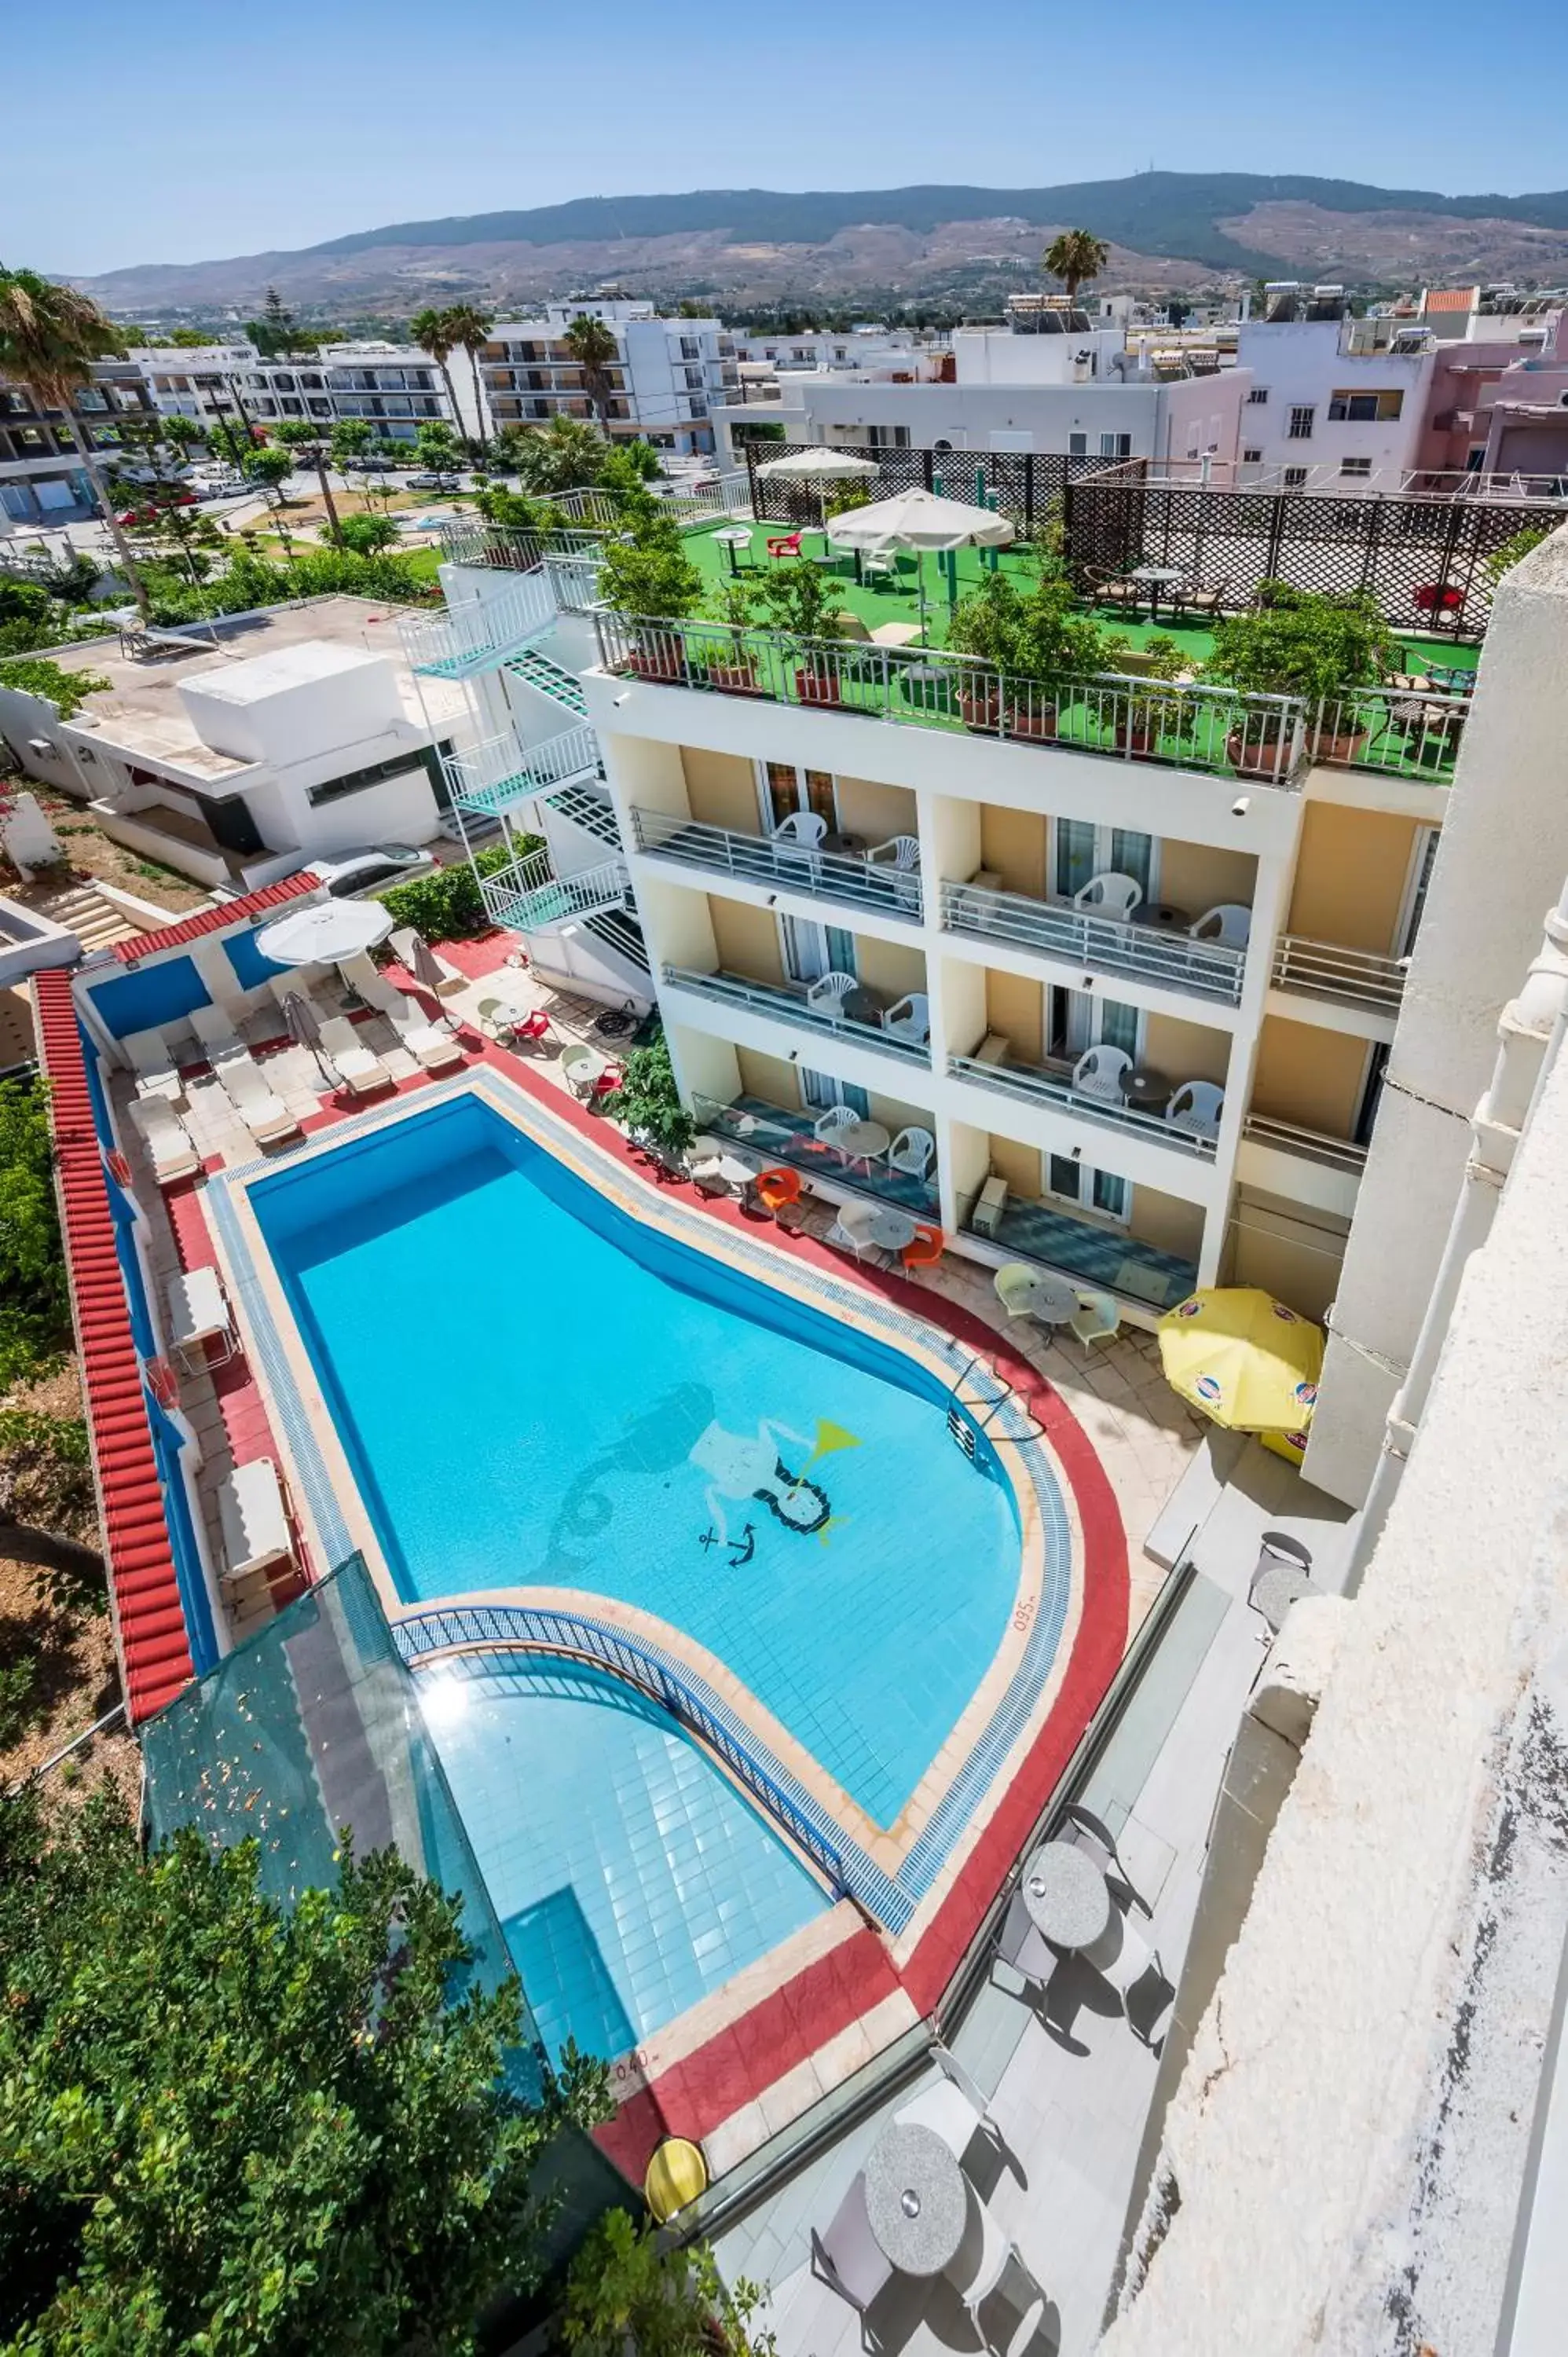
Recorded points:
(43, 483)
(396, 388)
(867, 347)
(1331, 404)
(668, 377)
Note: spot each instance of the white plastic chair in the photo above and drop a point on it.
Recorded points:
(1195, 1108)
(851, 1231)
(985, 2256)
(909, 1018)
(952, 2107)
(827, 1125)
(912, 1153)
(901, 853)
(1111, 894)
(1098, 1072)
(1229, 923)
(802, 828)
(1096, 1320)
(581, 1066)
(849, 2259)
(829, 991)
(156, 1070)
(1126, 1962)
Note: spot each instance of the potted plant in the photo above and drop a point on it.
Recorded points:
(646, 575)
(1055, 645)
(1148, 716)
(1301, 644)
(799, 600)
(732, 668)
(985, 626)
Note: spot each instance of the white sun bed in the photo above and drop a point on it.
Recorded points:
(434, 1044)
(167, 1139)
(198, 1314)
(214, 1026)
(402, 945)
(264, 1113)
(366, 980)
(253, 1516)
(157, 1073)
(356, 1066)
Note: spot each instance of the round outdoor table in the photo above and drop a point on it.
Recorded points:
(861, 1141)
(1145, 1090)
(891, 1229)
(1066, 1895)
(1161, 912)
(915, 2200)
(1051, 1300)
(735, 537)
(1276, 1590)
(848, 846)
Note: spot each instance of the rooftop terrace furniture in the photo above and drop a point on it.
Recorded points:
(786, 544)
(896, 634)
(1024, 1951)
(216, 1028)
(197, 1315)
(359, 1071)
(1205, 603)
(1230, 924)
(1098, 1072)
(1195, 1108)
(157, 1075)
(1109, 895)
(167, 1139)
(849, 2259)
(913, 1151)
(253, 1516)
(264, 1114)
(1127, 594)
(909, 1018)
(828, 992)
(952, 2107)
(434, 1045)
(989, 1206)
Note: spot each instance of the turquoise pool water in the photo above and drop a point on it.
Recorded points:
(536, 1390)
(630, 1877)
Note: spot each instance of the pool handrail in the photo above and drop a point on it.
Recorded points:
(537, 1629)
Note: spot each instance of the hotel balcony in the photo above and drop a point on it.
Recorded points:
(792, 1005)
(1091, 1252)
(1000, 1070)
(1328, 972)
(776, 1133)
(1141, 947)
(849, 879)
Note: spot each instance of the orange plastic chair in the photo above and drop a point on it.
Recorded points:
(776, 1187)
(926, 1249)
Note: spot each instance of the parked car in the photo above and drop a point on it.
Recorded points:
(181, 498)
(351, 875)
(432, 483)
(370, 465)
(238, 489)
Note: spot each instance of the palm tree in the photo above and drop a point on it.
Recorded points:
(49, 337)
(1073, 257)
(560, 456)
(431, 332)
(595, 349)
(469, 327)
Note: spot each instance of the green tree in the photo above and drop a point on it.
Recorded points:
(366, 535)
(469, 328)
(596, 349)
(228, 2128)
(49, 337)
(624, 2292)
(564, 456)
(35, 1307)
(309, 443)
(271, 469)
(1075, 256)
(170, 527)
(647, 575)
(277, 333)
(431, 330)
(649, 1102)
(437, 446)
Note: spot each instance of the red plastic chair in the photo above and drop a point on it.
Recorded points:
(1438, 598)
(926, 1249)
(532, 1026)
(787, 544)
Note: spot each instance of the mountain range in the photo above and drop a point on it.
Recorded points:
(1165, 230)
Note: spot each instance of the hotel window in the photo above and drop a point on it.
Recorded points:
(1078, 445)
(1357, 467)
(887, 438)
(1302, 419)
(1116, 445)
(1296, 478)
(1365, 408)
(690, 350)
(1251, 457)
(1259, 394)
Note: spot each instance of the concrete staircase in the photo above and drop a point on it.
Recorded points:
(94, 918)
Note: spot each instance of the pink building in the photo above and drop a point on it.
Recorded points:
(1496, 408)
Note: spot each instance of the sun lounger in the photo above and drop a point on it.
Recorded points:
(167, 1139)
(157, 1073)
(214, 1026)
(362, 975)
(264, 1114)
(434, 1046)
(357, 1069)
(253, 1516)
(402, 947)
(198, 1314)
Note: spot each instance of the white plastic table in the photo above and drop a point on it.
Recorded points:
(890, 1228)
(861, 1141)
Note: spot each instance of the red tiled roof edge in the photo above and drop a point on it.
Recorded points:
(149, 1621)
(215, 921)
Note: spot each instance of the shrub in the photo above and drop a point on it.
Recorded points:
(625, 2291)
(35, 1309)
(649, 1102)
(67, 689)
(366, 536)
(646, 572)
(448, 906)
(797, 597)
(1503, 560)
(1299, 643)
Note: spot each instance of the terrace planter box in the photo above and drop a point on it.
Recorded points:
(817, 687)
(1255, 756)
(982, 711)
(1340, 746)
(658, 663)
(1037, 722)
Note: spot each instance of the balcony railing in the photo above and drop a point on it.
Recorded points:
(1354, 977)
(480, 633)
(491, 776)
(1035, 1085)
(777, 1135)
(1187, 728)
(1412, 733)
(530, 898)
(792, 1006)
(1315, 1144)
(468, 541)
(1093, 1254)
(784, 867)
(1202, 969)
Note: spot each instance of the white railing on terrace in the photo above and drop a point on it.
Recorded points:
(782, 1005)
(788, 866)
(1260, 738)
(1411, 733)
(1325, 970)
(491, 776)
(479, 632)
(1206, 969)
(530, 898)
(468, 540)
(1035, 1085)
(1315, 1144)
(575, 582)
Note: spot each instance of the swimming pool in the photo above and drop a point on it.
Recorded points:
(535, 1390)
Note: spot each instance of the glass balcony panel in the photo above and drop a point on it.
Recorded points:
(1105, 1257)
(1040, 1085)
(790, 1137)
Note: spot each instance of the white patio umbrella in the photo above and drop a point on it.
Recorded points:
(818, 466)
(324, 931)
(919, 520)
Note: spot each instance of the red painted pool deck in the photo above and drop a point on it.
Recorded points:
(736, 2069)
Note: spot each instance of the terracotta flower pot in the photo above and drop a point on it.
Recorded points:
(1035, 721)
(657, 662)
(982, 711)
(817, 687)
(1340, 746)
(734, 679)
(1255, 756)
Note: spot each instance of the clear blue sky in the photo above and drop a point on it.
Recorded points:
(139, 136)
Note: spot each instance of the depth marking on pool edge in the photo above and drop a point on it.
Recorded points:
(890, 1900)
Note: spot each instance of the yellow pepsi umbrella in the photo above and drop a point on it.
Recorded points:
(1243, 1357)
